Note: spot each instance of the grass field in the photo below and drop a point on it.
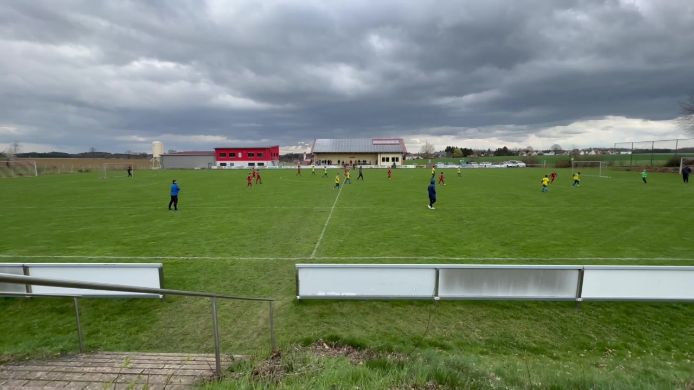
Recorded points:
(229, 239)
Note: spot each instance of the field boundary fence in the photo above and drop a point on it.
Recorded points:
(495, 282)
(651, 153)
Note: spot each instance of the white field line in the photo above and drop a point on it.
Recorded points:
(325, 226)
(463, 258)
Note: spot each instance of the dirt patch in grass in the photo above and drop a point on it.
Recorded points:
(270, 369)
(327, 349)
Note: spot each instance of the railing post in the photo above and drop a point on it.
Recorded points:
(215, 327)
(579, 288)
(273, 342)
(79, 325)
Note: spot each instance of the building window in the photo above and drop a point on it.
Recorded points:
(251, 164)
(222, 154)
(396, 159)
(383, 159)
(222, 164)
(260, 155)
(251, 154)
(261, 164)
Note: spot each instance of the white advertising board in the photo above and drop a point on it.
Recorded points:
(638, 283)
(361, 282)
(135, 275)
(14, 269)
(508, 283)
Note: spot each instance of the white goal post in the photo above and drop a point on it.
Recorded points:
(117, 170)
(15, 168)
(589, 168)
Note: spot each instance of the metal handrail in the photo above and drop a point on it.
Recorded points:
(22, 279)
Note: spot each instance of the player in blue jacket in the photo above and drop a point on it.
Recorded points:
(432, 194)
(174, 195)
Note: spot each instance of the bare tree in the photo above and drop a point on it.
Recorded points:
(556, 148)
(428, 149)
(687, 118)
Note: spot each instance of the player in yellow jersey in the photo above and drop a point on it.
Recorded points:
(337, 181)
(577, 179)
(545, 183)
(458, 171)
(348, 176)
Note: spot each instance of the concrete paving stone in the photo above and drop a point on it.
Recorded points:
(12, 382)
(182, 380)
(75, 385)
(46, 384)
(178, 387)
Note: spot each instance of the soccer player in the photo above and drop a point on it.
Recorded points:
(325, 171)
(361, 174)
(442, 179)
(459, 172)
(390, 173)
(258, 179)
(298, 169)
(348, 178)
(130, 171)
(313, 169)
(577, 179)
(685, 174)
(545, 183)
(433, 171)
(552, 177)
(432, 194)
(175, 189)
(644, 176)
(249, 181)
(337, 181)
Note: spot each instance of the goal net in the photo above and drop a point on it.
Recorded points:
(589, 168)
(118, 170)
(18, 168)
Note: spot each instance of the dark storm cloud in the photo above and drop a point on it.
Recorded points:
(117, 75)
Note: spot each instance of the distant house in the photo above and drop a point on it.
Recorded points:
(259, 156)
(361, 151)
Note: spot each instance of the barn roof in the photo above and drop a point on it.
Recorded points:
(359, 145)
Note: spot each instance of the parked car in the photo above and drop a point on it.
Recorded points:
(514, 164)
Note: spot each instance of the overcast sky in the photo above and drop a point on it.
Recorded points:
(117, 75)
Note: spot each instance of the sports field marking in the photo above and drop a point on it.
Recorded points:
(105, 257)
(325, 226)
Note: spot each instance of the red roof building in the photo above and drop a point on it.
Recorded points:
(247, 157)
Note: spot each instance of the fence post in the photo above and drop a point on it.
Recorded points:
(631, 156)
(273, 342)
(215, 328)
(79, 325)
(652, 149)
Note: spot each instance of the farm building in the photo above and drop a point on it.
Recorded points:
(262, 156)
(362, 151)
(187, 160)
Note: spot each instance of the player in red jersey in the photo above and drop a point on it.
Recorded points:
(442, 179)
(249, 180)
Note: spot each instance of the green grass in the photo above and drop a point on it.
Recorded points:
(246, 242)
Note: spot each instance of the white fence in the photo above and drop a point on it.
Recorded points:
(128, 274)
(475, 281)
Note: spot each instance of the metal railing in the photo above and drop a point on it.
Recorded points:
(30, 280)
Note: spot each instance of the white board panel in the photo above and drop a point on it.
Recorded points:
(639, 283)
(366, 282)
(123, 274)
(512, 283)
(14, 269)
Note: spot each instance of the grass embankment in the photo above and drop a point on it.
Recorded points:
(374, 344)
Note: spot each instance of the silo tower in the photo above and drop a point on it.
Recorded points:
(157, 151)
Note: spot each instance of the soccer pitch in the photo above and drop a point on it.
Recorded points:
(232, 239)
